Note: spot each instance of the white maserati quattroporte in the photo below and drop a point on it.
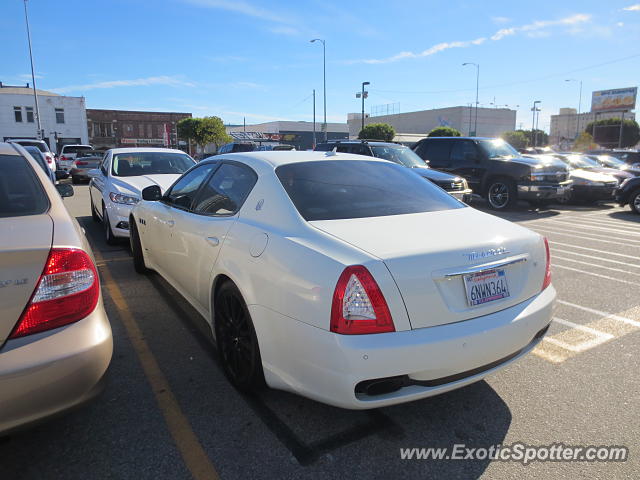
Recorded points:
(349, 280)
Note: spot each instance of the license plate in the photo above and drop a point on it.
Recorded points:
(486, 286)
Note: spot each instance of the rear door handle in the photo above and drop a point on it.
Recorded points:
(213, 241)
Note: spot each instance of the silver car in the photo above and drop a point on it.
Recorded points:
(55, 337)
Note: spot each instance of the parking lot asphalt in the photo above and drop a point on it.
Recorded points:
(168, 411)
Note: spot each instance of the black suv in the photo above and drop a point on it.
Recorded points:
(496, 171)
(404, 156)
(629, 193)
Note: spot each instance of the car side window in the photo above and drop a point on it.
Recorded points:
(437, 152)
(464, 152)
(183, 192)
(343, 148)
(104, 167)
(226, 190)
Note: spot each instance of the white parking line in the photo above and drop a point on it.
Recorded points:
(583, 328)
(601, 313)
(596, 274)
(635, 257)
(611, 221)
(606, 223)
(595, 258)
(587, 227)
(627, 243)
(556, 257)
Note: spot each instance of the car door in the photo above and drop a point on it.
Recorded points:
(467, 161)
(98, 184)
(199, 232)
(437, 152)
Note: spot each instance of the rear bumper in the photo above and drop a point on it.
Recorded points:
(544, 192)
(327, 367)
(45, 374)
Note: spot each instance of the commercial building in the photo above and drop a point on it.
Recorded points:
(491, 121)
(298, 134)
(567, 124)
(63, 119)
(124, 128)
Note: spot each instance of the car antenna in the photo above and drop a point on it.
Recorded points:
(333, 152)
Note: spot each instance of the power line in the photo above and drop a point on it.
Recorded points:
(487, 87)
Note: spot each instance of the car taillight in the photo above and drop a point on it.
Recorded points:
(49, 158)
(82, 163)
(358, 305)
(64, 159)
(547, 271)
(67, 291)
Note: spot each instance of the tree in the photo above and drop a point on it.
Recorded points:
(377, 131)
(541, 140)
(211, 130)
(187, 129)
(444, 132)
(607, 132)
(583, 142)
(517, 139)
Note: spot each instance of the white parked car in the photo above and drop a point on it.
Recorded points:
(346, 279)
(68, 153)
(116, 185)
(42, 146)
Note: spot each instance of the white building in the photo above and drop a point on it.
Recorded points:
(63, 119)
(298, 134)
(491, 121)
(567, 124)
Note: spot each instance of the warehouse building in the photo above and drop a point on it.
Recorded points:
(298, 134)
(492, 122)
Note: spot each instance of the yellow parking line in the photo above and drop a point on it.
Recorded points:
(193, 454)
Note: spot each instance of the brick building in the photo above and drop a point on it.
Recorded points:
(124, 128)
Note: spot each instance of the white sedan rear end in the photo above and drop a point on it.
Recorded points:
(348, 280)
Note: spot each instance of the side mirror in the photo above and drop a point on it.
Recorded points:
(93, 173)
(152, 193)
(64, 189)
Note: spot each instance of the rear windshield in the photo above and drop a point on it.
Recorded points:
(20, 191)
(340, 189)
(150, 163)
(36, 143)
(75, 148)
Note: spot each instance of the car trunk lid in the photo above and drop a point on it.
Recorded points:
(429, 254)
(25, 243)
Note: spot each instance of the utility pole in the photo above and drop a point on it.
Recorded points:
(314, 118)
(621, 128)
(363, 97)
(33, 75)
(579, 105)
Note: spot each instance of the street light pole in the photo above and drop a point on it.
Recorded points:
(579, 105)
(475, 123)
(534, 133)
(33, 74)
(363, 85)
(324, 81)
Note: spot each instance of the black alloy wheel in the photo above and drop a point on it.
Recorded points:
(236, 340)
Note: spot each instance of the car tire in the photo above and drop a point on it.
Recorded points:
(236, 340)
(136, 249)
(108, 233)
(501, 193)
(634, 201)
(94, 214)
(75, 180)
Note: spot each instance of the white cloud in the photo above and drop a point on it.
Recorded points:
(139, 82)
(27, 76)
(285, 30)
(242, 8)
(632, 8)
(500, 19)
(534, 29)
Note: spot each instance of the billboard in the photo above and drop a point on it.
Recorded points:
(617, 99)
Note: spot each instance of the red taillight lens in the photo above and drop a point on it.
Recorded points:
(67, 291)
(547, 272)
(358, 305)
(63, 158)
(82, 163)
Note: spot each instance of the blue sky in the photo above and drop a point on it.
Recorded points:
(253, 59)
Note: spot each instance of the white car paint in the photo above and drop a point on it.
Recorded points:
(287, 268)
(103, 182)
